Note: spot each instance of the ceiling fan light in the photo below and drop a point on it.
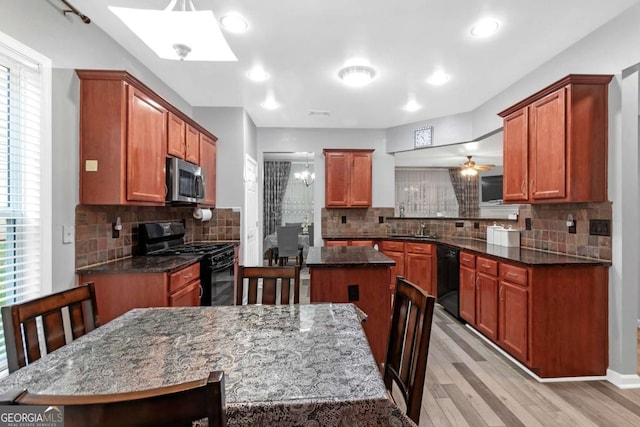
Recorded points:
(412, 106)
(258, 74)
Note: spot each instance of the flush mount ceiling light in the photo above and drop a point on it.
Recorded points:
(438, 78)
(258, 74)
(357, 73)
(234, 23)
(270, 103)
(485, 28)
(184, 34)
(412, 106)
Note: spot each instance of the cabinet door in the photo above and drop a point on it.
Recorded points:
(146, 147)
(361, 243)
(513, 329)
(189, 296)
(192, 145)
(360, 181)
(336, 179)
(175, 136)
(547, 147)
(487, 305)
(208, 164)
(515, 148)
(468, 294)
(419, 271)
(336, 243)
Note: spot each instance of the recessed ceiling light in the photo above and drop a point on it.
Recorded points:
(270, 103)
(234, 23)
(357, 72)
(258, 74)
(412, 106)
(438, 78)
(485, 27)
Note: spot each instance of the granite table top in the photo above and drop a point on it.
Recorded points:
(283, 365)
(347, 256)
(142, 264)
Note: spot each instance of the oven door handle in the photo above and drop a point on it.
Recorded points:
(224, 267)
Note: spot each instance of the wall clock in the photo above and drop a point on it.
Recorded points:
(423, 137)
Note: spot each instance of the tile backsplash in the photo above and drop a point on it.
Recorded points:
(549, 231)
(95, 244)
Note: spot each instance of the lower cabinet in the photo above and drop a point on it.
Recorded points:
(349, 243)
(118, 293)
(552, 318)
(414, 261)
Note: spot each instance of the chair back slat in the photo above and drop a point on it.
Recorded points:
(53, 330)
(270, 277)
(164, 406)
(408, 347)
(20, 323)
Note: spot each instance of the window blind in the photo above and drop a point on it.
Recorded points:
(20, 181)
(424, 192)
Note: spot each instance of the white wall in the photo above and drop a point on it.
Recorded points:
(70, 44)
(446, 130)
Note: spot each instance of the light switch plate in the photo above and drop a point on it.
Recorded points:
(67, 234)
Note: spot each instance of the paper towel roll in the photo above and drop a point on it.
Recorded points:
(202, 214)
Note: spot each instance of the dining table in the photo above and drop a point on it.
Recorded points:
(271, 242)
(284, 365)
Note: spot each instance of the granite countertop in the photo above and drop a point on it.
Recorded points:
(142, 264)
(347, 256)
(311, 361)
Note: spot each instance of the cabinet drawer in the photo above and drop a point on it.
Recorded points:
(487, 266)
(467, 260)
(419, 248)
(181, 277)
(392, 246)
(511, 273)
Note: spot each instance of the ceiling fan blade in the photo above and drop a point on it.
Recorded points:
(484, 167)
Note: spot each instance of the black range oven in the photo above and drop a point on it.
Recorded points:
(216, 264)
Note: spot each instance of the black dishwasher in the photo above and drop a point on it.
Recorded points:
(449, 279)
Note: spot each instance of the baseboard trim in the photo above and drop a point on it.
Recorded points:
(623, 381)
(529, 372)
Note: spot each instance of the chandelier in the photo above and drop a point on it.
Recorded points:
(306, 176)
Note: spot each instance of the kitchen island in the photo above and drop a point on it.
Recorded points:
(360, 275)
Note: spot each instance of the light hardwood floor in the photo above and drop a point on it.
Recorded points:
(470, 384)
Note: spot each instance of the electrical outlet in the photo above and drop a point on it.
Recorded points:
(343, 219)
(459, 224)
(353, 292)
(380, 220)
(600, 227)
(476, 225)
(572, 229)
(527, 224)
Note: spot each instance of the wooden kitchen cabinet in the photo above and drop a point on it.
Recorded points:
(349, 243)
(394, 250)
(348, 175)
(555, 143)
(208, 165)
(467, 287)
(183, 140)
(118, 293)
(487, 297)
(126, 132)
(513, 309)
(420, 266)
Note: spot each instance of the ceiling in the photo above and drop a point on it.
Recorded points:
(303, 44)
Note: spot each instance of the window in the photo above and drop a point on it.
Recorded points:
(25, 153)
(424, 192)
(297, 205)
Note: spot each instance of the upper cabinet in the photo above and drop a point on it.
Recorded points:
(555, 143)
(207, 155)
(126, 132)
(348, 178)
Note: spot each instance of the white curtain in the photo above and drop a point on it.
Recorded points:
(425, 192)
(297, 205)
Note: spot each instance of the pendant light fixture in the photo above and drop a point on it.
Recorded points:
(181, 33)
(306, 176)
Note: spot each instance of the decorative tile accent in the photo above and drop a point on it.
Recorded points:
(360, 222)
(95, 244)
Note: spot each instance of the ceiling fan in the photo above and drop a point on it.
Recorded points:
(470, 168)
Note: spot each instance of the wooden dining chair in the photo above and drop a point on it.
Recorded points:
(20, 323)
(270, 277)
(173, 405)
(408, 348)
(288, 244)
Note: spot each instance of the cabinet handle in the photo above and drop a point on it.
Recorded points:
(485, 266)
(477, 284)
(500, 293)
(533, 183)
(188, 276)
(510, 274)
(522, 187)
(201, 291)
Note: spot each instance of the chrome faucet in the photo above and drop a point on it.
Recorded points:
(422, 227)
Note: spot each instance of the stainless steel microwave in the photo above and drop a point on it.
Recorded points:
(185, 181)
